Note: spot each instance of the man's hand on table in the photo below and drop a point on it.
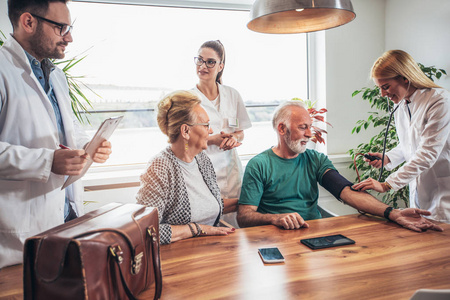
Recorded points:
(412, 219)
(289, 221)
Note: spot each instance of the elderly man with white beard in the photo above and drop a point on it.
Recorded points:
(280, 184)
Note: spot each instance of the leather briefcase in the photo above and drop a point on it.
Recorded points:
(109, 253)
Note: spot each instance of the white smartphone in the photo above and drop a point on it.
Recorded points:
(271, 255)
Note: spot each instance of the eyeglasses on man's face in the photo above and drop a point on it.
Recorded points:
(210, 63)
(60, 29)
(207, 125)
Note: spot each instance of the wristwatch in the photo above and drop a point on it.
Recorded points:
(387, 212)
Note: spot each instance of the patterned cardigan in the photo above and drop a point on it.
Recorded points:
(163, 187)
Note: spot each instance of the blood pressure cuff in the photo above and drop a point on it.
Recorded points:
(334, 182)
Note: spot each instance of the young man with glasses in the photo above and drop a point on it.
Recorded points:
(35, 118)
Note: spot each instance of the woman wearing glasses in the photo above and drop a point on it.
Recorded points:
(229, 119)
(180, 180)
(422, 120)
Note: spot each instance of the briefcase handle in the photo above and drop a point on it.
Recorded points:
(152, 231)
(156, 263)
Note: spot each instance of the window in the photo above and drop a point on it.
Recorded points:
(136, 54)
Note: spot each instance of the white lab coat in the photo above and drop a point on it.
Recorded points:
(31, 199)
(227, 164)
(424, 143)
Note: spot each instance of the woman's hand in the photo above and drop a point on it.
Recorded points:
(181, 232)
(225, 141)
(371, 184)
(377, 162)
(211, 230)
(215, 139)
(229, 141)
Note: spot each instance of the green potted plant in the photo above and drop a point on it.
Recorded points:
(80, 103)
(378, 118)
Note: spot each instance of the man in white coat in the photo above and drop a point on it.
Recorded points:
(36, 117)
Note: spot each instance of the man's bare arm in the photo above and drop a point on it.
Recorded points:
(410, 218)
(363, 201)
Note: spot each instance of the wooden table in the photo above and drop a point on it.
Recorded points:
(387, 262)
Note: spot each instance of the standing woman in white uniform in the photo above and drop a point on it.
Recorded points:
(228, 119)
(422, 121)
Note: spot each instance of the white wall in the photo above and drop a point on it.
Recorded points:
(421, 28)
(5, 25)
(350, 52)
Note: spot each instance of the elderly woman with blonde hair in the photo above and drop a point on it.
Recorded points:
(180, 180)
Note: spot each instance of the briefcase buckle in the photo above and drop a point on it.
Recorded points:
(152, 233)
(137, 263)
(117, 253)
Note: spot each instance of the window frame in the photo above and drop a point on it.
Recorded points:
(126, 175)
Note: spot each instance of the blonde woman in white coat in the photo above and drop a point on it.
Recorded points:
(229, 119)
(422, 120)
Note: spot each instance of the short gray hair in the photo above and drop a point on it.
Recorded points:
(283, 115)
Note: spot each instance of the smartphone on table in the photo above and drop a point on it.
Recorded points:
(271, 255)
(327, 241)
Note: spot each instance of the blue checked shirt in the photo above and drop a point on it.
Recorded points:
(42, 72)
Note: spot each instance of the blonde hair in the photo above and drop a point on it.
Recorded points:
(175, 110)
(395, 63)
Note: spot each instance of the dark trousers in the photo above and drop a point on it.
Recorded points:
(72, 214)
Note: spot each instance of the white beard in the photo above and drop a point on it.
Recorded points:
(295, 146)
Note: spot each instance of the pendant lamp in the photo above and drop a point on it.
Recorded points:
(297, 16)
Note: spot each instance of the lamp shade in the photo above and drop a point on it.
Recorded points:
(297, 16)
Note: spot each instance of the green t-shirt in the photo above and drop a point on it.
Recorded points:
(278, 185)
